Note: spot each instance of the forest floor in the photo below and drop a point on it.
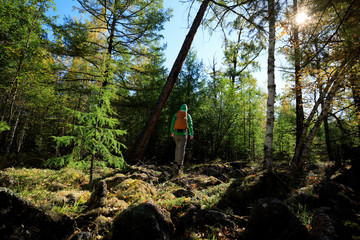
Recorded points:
(208, 201)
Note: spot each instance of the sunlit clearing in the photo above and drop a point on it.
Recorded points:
(301, 18)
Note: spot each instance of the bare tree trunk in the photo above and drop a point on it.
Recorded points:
(22, 135)
(327, 132)
(268, 145)
(13, 134)
(306, 139)
(12, 92)
(298, 85)
(315, 128)
(355, 87)
(144, 137)
(92, 167)
(328, 140)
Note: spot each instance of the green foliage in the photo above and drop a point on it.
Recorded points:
(94, 134)
(305, 216)
(47, 86)
(73, 39)
(209, 197)
(72, 208)
(25, 89)
(45, 187)
(284, 130)
(4, 126)
(231, 118)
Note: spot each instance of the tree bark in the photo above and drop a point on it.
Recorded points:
(307, 137)
(310, 137)
(13, 133)
(22, 136)
(328, 141)
(327, 132)
(298, 85)
(355, 87)
(144, 137)
(268, 145)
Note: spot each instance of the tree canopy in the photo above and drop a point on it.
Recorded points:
(73, 89)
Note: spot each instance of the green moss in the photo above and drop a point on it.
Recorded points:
(133, 189)
(49, 188)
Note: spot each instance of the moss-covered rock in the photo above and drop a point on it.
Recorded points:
(197, 182)
(271, 219)
(20, 219)
(144, 221)
(243, 192)
(325, 226)
(133, 189)
(115, 180)
(115, 203)
(6, 180)
(69, 197)
(98, 196)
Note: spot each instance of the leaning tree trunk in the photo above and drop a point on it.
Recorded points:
(325, 99)
(144, 137)
(305, 149)
(268, 145)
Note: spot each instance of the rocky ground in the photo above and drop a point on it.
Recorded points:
(208, 201)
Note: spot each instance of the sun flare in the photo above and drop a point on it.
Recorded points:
(301, 17)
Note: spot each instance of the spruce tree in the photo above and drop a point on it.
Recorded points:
(94, 136)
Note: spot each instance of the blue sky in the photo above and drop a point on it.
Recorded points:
(174, 34)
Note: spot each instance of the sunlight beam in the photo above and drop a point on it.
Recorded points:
(301, 18)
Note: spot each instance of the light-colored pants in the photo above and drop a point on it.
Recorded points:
(180, 141)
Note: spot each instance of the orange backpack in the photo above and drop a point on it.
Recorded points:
(181, 120)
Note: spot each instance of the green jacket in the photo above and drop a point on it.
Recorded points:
(189, 122)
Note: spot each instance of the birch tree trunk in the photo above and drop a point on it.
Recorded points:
(268, 145)
(144, 137)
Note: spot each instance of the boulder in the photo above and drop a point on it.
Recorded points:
(219, 171)
(197, 182)
(144, 221)
(183, 193)
(82, 236)
(335, 196)
(200, 219)
(141, 176)
(20, 219)
(325, 227)
(98, 196)
(115, 180)
(6, 180)
(272, 219)
(61, 198)
(131, 190)
(243, 192)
